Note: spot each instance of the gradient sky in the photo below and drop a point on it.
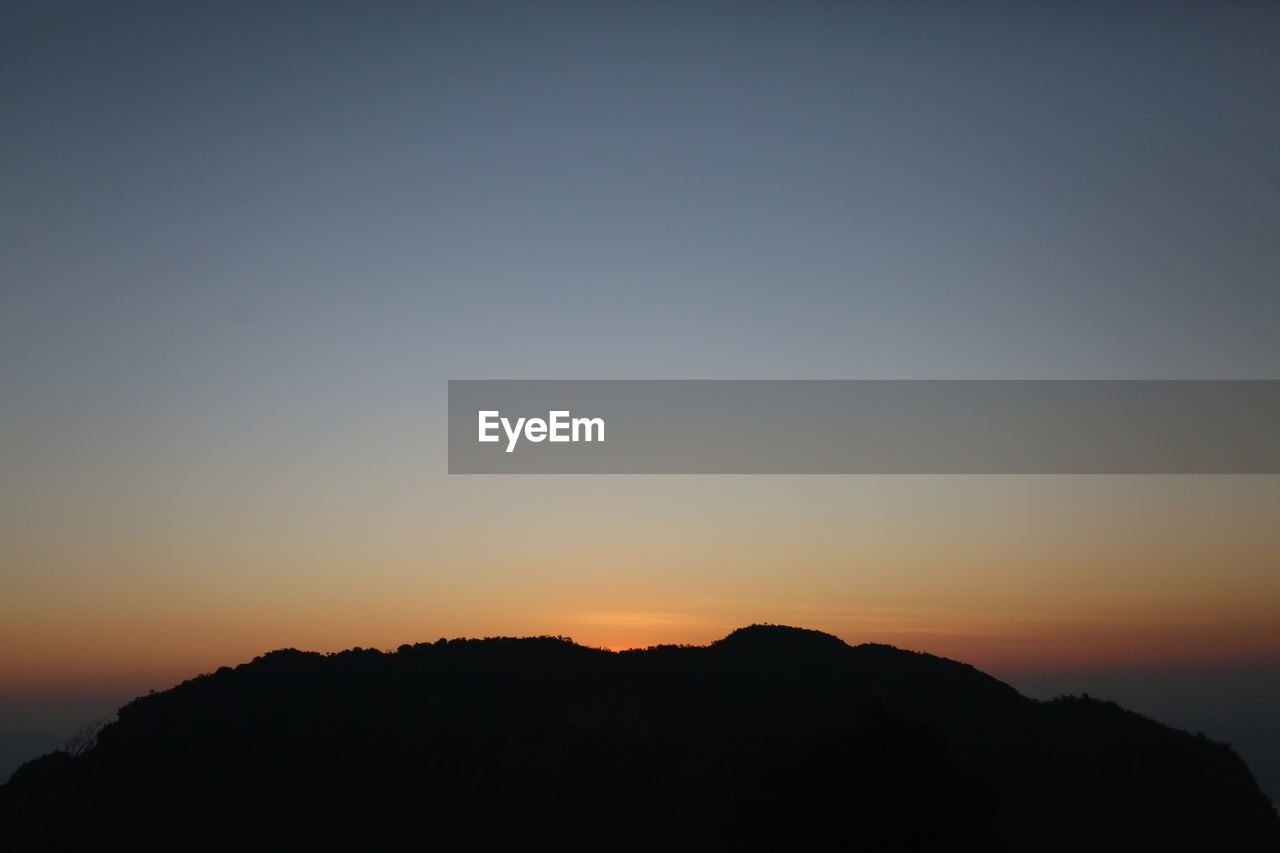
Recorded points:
(244, 245)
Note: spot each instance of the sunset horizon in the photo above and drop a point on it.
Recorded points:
(953, 329)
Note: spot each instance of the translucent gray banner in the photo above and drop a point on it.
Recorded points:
(864, 427)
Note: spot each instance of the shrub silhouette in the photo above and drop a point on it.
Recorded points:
(885, 785)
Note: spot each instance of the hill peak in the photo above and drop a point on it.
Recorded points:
(761, 637)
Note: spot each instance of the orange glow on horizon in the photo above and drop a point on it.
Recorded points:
(994, 572)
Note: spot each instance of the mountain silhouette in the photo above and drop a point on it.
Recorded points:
(772, 738)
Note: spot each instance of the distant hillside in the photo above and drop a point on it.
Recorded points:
(772, 738)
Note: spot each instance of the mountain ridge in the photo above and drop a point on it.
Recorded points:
(769, 736)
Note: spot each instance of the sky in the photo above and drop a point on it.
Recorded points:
(243, 246)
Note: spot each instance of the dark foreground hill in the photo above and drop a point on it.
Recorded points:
(771, 739)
